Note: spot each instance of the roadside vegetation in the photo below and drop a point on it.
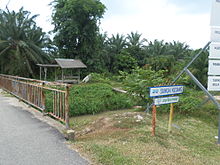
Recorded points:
(96, 98)
(123, 137)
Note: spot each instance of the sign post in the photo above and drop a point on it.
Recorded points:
(157, 93)
(171, 117)
(154, 116)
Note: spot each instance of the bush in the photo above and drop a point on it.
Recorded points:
(95, 98)
(139, 81)
(189, 103)
(99, 78)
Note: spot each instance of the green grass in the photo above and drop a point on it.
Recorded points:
(125, 141)
(109, 155)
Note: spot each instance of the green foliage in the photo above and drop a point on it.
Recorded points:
(200, 67)
(99, 78)
(114, 46)
(139, 81)
(189, 104)
(76, 28)
(166, 56)
(162, 62)
(95, 98)
(134, 39)
(124, 62)
(21, 43)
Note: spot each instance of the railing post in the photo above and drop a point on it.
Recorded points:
(43, 99)
(67, 107)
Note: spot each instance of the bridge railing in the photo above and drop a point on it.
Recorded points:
(49, 97)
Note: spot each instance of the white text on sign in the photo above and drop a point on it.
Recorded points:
(214, 83)
(166, 100)
(166, 90)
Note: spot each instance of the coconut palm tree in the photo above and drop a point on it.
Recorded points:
(21, 43)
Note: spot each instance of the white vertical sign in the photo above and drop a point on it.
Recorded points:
(215, 15)
(214, 67)
(215, 33)
(214, 51)
(214, 83)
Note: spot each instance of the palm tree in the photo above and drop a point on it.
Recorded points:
(166, 55)
(158, 56)
(115, 45)
(200, 66)
(179, 50)
(157, 48)
(136, 47)
(21, 43)
(134, 39)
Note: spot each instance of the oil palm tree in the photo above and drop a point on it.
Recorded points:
(136, 47)
(200, 66)
(21, 43)
(134, 39)
(179, 50)
(115, 45)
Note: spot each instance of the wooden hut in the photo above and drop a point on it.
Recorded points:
(70, 70)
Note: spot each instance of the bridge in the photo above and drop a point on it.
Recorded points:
(24, 139)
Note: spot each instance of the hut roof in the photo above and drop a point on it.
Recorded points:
(49, 65)
(70, 63)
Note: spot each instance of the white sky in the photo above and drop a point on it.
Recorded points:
(186, 21)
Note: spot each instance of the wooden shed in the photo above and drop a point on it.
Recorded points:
(70, 70)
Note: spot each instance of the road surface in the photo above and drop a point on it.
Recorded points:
(25, 140)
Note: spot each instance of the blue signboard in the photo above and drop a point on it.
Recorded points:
(166, 90)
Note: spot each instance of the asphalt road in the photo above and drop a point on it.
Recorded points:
(25, 140)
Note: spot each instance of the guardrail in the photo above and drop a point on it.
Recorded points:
(51, 98)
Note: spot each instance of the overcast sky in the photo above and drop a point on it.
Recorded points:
(186, 21)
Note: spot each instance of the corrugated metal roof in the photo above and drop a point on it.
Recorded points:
(70, 63)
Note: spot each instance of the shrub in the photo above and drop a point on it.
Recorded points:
(99, 78)
(139, 81)
(95, 98)
(188, 104)
(190, 101)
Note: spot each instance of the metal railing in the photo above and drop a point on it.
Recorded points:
(51, 98)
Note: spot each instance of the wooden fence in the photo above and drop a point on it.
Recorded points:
(51, 98)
